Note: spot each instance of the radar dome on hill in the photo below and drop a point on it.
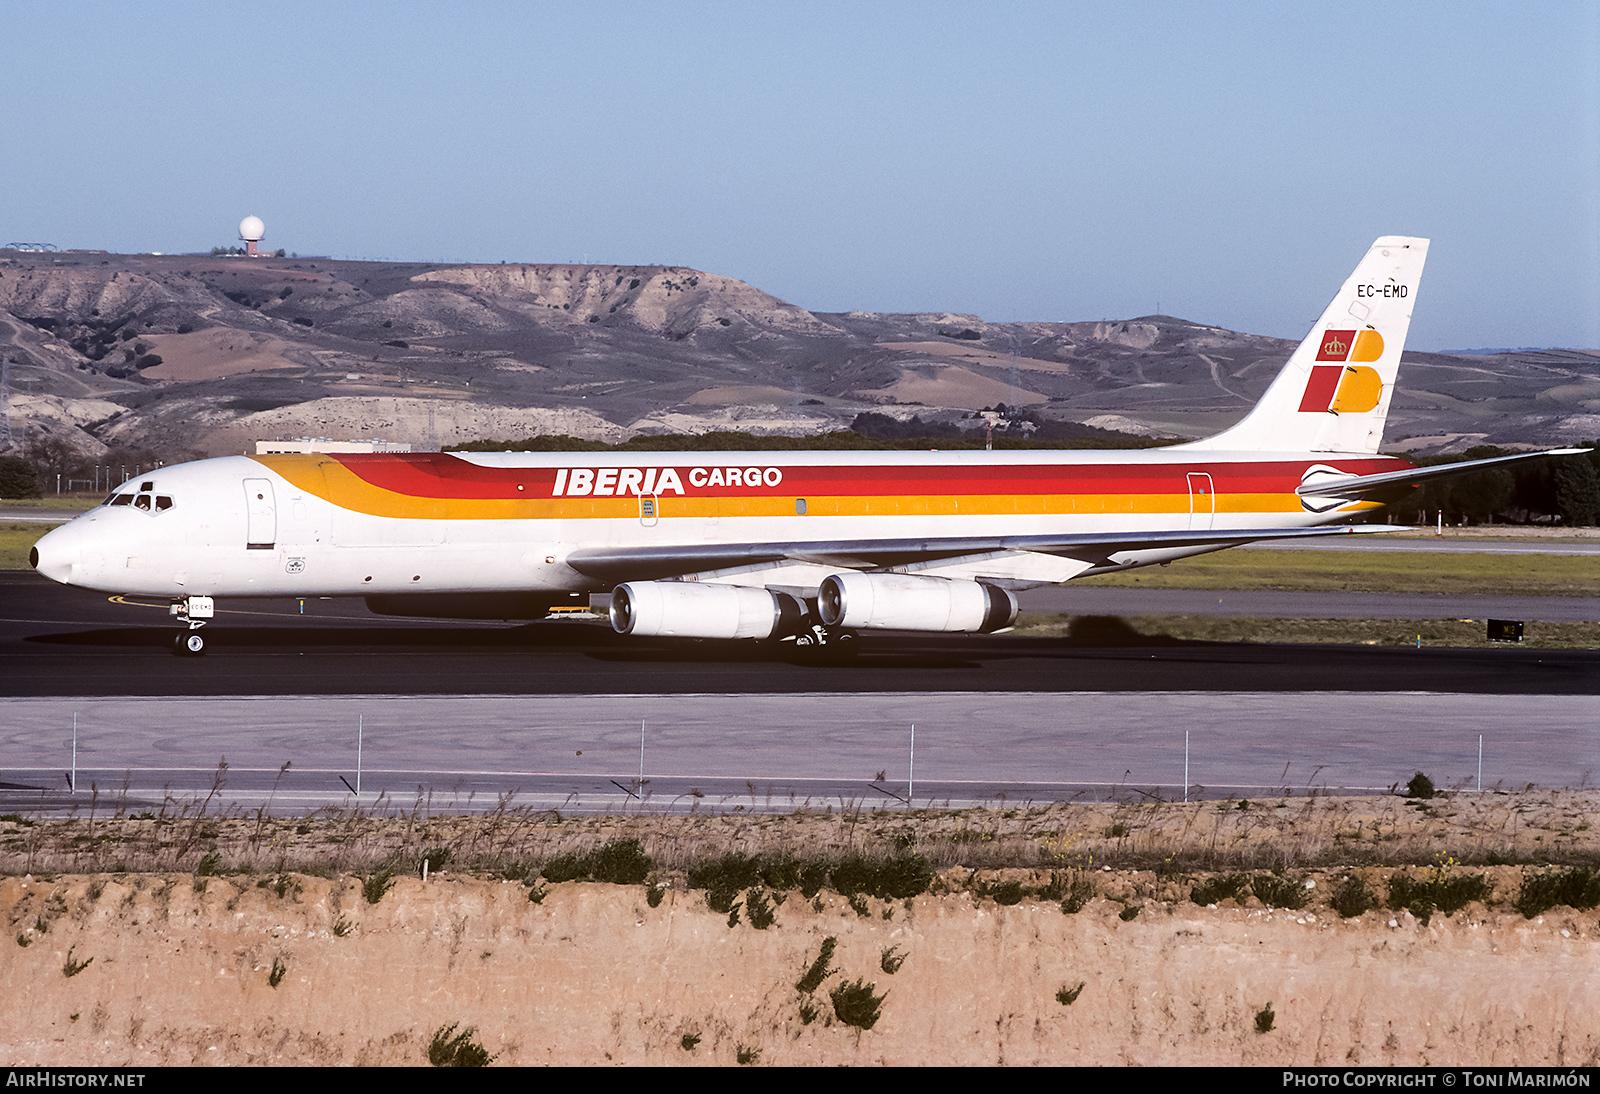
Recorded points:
(251, 229)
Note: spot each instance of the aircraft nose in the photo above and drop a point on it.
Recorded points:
(56, 551)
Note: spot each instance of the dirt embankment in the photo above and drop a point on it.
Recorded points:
(1072, 934)
(593, 974)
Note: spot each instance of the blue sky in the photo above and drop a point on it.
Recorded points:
(1050, 161)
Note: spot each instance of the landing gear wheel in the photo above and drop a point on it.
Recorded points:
(189, 644)
(842, 646)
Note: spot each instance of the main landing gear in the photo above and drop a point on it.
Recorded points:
(818, 641)
(192, 613)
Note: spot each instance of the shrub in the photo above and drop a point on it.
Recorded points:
(732, 870)
(781, 873)
(745, 1054)
(721, 897)
(1576, 887)
(889, 879)
(813, 876)
(1067, 996)
(1214, 890)
(1353, 898)
(854, 1004)
(373, 887)
(759, 909)
(452, 1049)
(1079, 893)
(620, 862)
(1264, 1019)
(891, 960)
(1007, 893)
(1420, 786)
(73, 967)
(820, 969)
(1278, 891)
(690, 1040)
(568, 866)
(279, 969)
(1440, 892)
(436, 858)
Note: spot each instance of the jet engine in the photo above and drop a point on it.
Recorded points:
(912, 602)
(688, 609)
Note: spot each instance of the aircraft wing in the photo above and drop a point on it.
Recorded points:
(650, 563)
(1352, 486)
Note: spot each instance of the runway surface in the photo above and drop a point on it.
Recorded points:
(462, 716)
(56, 641)
(583, 752)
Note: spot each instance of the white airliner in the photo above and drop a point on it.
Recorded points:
(812, 546)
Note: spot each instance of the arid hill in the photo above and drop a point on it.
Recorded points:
(207, 354)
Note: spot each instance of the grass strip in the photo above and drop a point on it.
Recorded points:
(1370, 572)
(1152, 629)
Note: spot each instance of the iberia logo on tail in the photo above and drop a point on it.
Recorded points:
(1351, 389)
(1350, 345)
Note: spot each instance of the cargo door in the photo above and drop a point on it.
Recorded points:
(261, 522)
(1202, 501)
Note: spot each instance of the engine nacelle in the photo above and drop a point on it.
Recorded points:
(910, 602)
(688, 609)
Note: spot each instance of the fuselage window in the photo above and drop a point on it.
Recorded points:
(120, 499)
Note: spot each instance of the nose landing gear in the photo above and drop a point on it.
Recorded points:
(192, 613)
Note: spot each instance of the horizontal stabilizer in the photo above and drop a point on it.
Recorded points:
(1356, 485)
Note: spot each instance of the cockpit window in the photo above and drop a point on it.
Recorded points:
(163, 502)
(120, 499)
(142, 501)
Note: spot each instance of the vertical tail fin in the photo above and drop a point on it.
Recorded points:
(1333, 395)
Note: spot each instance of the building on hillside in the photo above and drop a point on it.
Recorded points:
(325, 444)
